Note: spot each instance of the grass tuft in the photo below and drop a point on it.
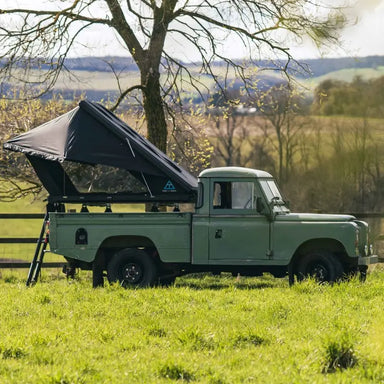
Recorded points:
(12, 353)
(174, 371)
(194, 340)
(339, 354)
(248, 339)
(157, 332)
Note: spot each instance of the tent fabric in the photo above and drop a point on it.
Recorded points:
(93, 135)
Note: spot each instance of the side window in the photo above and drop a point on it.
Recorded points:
(243, 195)
(222, 198)
(234, 195)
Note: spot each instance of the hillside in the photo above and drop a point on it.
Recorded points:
(93, 76)
(317, 67)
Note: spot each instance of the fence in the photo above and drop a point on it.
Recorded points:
(9, 262)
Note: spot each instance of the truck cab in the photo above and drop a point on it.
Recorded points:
(232, 216)
(245, 222)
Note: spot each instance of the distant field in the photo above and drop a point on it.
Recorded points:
(346, 75)
(106, 81)
(101, 81)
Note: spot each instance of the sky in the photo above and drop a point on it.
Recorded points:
(363, 37)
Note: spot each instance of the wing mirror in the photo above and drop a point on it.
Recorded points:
(260, 206)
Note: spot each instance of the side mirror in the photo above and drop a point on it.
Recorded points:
(260, 206)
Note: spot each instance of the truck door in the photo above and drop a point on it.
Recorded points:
(237, 232)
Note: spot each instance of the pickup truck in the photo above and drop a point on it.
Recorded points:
(240, 224)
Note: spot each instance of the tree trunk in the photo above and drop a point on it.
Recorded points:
(154, 110)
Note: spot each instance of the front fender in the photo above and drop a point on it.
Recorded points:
(288, 237)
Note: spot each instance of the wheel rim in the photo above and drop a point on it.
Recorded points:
(319, 272)
(132, 273)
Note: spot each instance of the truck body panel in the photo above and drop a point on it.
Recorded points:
(169, 232)
(286, 241)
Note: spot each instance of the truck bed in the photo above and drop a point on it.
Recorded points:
(169, 232)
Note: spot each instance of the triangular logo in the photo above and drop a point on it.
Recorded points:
(169, 187)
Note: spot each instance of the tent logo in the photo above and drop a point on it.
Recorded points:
(169, 187)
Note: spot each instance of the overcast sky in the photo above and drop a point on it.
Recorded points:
(364, 38)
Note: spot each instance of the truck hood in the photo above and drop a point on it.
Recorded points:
(313, 217)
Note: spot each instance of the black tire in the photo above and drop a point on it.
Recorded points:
(97, 275)
(350, 273)
(363, 273)
(166, 281)
(132, 268)
(320, 265)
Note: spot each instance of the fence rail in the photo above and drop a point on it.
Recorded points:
(18, 240)
(16, 263)
(21, 216)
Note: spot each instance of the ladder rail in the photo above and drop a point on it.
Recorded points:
(41, 245)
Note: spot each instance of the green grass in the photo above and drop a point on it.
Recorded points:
(209, 330)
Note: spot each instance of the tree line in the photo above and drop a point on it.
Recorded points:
(325, 151)
(359, 98)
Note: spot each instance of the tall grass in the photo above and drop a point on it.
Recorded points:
(208, 330)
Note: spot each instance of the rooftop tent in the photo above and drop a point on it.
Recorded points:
(89, 155)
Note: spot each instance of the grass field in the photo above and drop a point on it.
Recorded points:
(202, 330)
(208, 330)
(214, 330)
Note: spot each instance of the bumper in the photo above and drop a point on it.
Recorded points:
(368, 260)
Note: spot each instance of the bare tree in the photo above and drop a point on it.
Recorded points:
(236, 142)
(282, 125)
(42, 37)
(17, 178)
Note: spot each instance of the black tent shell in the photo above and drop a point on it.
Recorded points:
(91, 134)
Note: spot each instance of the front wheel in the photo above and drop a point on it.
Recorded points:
(323, 266)
(132, 268)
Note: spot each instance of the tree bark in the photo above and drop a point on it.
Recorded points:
(154, 110)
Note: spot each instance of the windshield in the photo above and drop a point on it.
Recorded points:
(271, 191)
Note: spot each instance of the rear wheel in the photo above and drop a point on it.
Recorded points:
(132, 268)
(321, 265)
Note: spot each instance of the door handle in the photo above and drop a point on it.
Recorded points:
(218, 233)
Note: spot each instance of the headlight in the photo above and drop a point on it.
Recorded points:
(357, 242)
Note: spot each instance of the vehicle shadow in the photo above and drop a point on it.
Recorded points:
(224, 282)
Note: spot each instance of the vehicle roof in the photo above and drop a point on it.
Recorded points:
(234, 172)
